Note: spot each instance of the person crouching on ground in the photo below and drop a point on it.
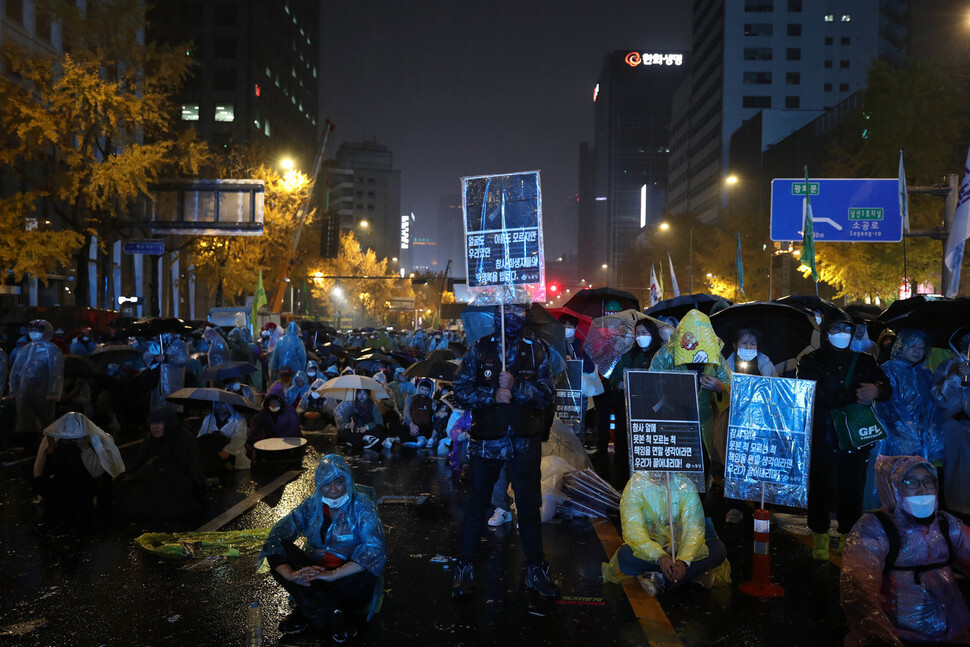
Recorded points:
(897, 584)
(645, 524)
(338, 568)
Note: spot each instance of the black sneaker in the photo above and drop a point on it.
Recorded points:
(371, 441)
(537, 579)
(293, 623)
(463, 584)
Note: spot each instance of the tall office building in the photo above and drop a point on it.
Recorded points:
(256, 78)
(789, 59)
(626, 168)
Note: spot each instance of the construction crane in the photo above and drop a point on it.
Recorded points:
(276, 303)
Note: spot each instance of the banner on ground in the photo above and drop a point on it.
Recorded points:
(569, 393)
(503, 238)
(769, 439)
(663, 423)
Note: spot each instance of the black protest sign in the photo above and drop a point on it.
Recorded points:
(663, 421)
(569, 393)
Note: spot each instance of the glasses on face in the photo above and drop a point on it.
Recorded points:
(914, 484)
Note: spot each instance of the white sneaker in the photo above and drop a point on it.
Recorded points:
(388, 443)
(421, 441)
(652, 583)
(500, 517)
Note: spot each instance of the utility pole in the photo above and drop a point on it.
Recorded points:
(949, 190)
(441, 294)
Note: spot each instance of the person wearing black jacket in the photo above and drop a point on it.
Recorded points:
(833, 472)
(508, 409)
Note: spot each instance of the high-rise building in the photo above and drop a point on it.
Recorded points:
(256, 78)
(626, 168)
(789, 59)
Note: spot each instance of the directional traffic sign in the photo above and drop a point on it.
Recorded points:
(152, 247)
(843, 210)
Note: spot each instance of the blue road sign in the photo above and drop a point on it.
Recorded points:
(151, 247)
(843, 210)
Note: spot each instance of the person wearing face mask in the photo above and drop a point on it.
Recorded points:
(359, 421)
(645, 345)
(37, 379)
(276, 419)
(312, 370)
(746, 358)
(222, 439)
(236, 385)
(418, 412)
(832, 472)
(83, 344)
(338, 567)
(508, 403)
(313, 411)
(897, 584)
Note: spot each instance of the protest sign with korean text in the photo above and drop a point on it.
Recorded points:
(503, 238)
(769, 439)
(569, 393)
(663, 422)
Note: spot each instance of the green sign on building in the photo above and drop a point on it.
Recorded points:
(860, 213)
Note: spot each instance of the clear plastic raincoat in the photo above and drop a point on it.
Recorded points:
(645, 520)
(910, 414)
(355, 533)
(289, 351)
(37, 375)
(888, 606)
(953, 398)
(219, 351)
(171, 372)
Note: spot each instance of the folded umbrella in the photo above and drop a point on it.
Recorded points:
(785, 330)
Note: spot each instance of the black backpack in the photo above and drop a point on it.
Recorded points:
(893, 535)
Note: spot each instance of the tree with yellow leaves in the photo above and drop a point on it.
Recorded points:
(85, 133)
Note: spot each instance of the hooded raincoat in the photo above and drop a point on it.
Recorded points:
(37, 375)
(219, 351)
(234, 430)
(171, 371)
(284, 423)
(953, 398)
(354, 533)
(289, 351)
(890, 606)
(910, 415)
(695, 342)
(645, 520)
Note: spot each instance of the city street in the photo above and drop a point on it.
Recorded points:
(89, 584)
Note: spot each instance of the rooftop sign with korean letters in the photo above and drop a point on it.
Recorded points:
(634, 59)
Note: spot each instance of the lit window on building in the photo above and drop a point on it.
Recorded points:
(829, 17)
(846, 17)
(190, 112)
(266, 130)
(225, 112)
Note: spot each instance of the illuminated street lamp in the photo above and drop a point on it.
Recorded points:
(286, 163)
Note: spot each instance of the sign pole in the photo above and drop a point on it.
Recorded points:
(670, 516)
(502, 315)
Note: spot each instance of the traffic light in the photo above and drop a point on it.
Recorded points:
(554, 289)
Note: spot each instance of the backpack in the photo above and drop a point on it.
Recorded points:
(893, 535)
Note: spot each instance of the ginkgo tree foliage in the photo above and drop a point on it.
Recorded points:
(84, 134)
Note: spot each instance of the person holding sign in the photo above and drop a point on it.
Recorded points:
(834, 472)
(508, 398)
(659, 559)
(646, 342)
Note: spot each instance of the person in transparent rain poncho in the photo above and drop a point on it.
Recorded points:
(170, 361)
(897, 583)
(289, 351)
(338, 567)
(222, 438)
(648, 552)
(951, 392)
(219, 351)
(37, 378)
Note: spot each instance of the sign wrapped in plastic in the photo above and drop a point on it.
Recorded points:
(503, 238)
(663, 421)
(769, 440)
(569, 393)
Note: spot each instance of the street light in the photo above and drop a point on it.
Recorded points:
(286, 163)
(364, 224)
(731, 179)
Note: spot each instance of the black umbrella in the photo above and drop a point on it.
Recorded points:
(78, 366)
(459, 348)
(592, 303)
(436, 370)
(403, 358)
(226, 370)
(156, 327)
(938, 318)
(114, 353)
(785, 330)
(480, 321)
(680, 306)
(898, 308)
(442, 355)
(808, 303)
(868, 315)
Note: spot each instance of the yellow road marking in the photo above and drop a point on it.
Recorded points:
(654, 622)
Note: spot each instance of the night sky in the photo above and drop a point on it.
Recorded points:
(459, 88)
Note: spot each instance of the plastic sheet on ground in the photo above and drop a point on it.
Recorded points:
(195, 545)
(769, 440)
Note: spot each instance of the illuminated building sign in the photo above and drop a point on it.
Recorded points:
(406, 231)
(633, 59)
(424, 241)
(596, 92)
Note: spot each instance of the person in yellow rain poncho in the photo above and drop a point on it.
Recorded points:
(647, 552)
(694, 347)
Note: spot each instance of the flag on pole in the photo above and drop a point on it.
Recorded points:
(259, 300)
(654, 287)
(673, 277)
(306, 298)
(903, 194)
(661, 281)
(959, 232)
(740, 267)
(808, 232)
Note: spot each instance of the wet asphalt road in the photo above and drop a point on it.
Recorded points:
(86, 582)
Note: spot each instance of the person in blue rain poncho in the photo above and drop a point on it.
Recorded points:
(897, 582)
(338, 568)
(297, 392)
(37, 378)
(289, 351)
(219, 351)
(909, 415)
(171, 366)
(241, 340)
(83, 344)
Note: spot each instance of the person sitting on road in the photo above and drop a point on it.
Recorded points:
(236, 385)
(359, 421)
(418, 414)
(401, 387)
(338, 568)
(897, 583)
(276, 419)
(222, 439)
(648, 552)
